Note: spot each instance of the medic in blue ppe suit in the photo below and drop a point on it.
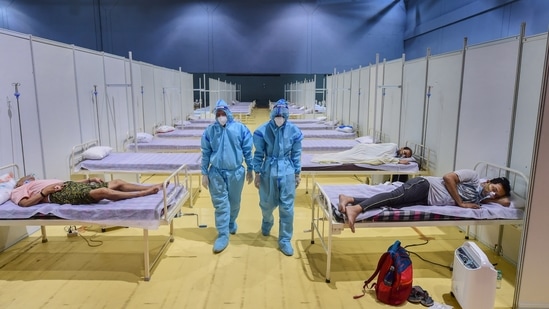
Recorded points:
(277, 164)
(225, 145)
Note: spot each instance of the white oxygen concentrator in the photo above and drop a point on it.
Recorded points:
(473, 278)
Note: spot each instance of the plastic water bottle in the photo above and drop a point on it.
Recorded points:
(498, 279)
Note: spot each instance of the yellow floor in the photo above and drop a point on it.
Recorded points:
(104, 269)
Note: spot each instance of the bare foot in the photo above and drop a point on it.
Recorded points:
(152, 190)
(353, 212)
(344, 200)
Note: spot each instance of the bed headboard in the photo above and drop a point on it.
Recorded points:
(519, 182)
(76, 153)
(378, 136)
(422, 155)
(12, 167)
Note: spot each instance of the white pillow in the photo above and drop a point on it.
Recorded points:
(143, 137)
(7, 183)
(321, 118)
(517, 202)
(187, 123)
(164, 129)
(365, 140)
(96, 152)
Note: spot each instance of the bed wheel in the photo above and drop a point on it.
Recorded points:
(466, 237)
(146, 279)
(312, 242)
(103, 230)
(44, 240)
(327, 280)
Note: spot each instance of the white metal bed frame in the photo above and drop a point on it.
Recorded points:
(420, 153)
(170, 212)
(324, 225)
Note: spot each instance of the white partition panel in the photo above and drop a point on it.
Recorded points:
(151, 114)
(531, 73)
(487, 103)
(58, 123)
(363, 100)
(413, 99)
(391, 98)
(90, 82)
(330, 96)
(442, 98)
(354, 99)
(115, 114)
(135, 97)
(16, 67)
(346, 98)
(187, 93)
(16, 64)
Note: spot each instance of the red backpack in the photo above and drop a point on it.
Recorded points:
(394, 282)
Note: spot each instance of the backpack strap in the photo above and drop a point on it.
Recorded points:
(379, 263)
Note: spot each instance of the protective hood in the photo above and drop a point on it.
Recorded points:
(280, 108)
(222, 105)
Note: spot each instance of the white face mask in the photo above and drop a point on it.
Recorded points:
(222, 120)
(279, 121)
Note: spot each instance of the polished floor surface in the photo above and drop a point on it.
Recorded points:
(104, 269)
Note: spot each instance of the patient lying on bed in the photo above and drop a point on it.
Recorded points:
(374, 154)
(461, 188)
(30, 191)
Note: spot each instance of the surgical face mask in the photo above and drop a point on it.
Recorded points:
(279, 121)
(222, 120)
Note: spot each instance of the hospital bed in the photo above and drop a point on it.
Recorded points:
(328, 134)
(312, 145)
(326, 220)
(178, 133)
(133, 163)
(148, 213)
(418, 166)
(159, 144)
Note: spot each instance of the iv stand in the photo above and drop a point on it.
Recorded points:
(17, 94)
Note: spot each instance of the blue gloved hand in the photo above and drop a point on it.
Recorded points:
(297, 180)
(205, 181)
(249, 177)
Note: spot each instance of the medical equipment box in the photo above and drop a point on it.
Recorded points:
(473, 278)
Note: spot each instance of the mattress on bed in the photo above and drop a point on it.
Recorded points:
(314, 126)
(144, 161)
(318, 145)
(141, 212)
(328, 134)
(182, 133)
(167, 144)
(307, 165)
(489, 211)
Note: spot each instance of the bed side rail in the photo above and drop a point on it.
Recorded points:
(179, 177)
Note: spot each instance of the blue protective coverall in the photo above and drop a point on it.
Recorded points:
(224, 148)
(277, 161)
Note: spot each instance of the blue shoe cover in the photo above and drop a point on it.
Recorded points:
(233, 227)
(220, 243)
(286, 248)
(266, 228)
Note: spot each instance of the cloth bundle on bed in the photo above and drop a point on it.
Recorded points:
(416, 212)
(374, 154)
(142, 212)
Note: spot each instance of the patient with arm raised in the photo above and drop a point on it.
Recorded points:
(461, 188)
(30, 191)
